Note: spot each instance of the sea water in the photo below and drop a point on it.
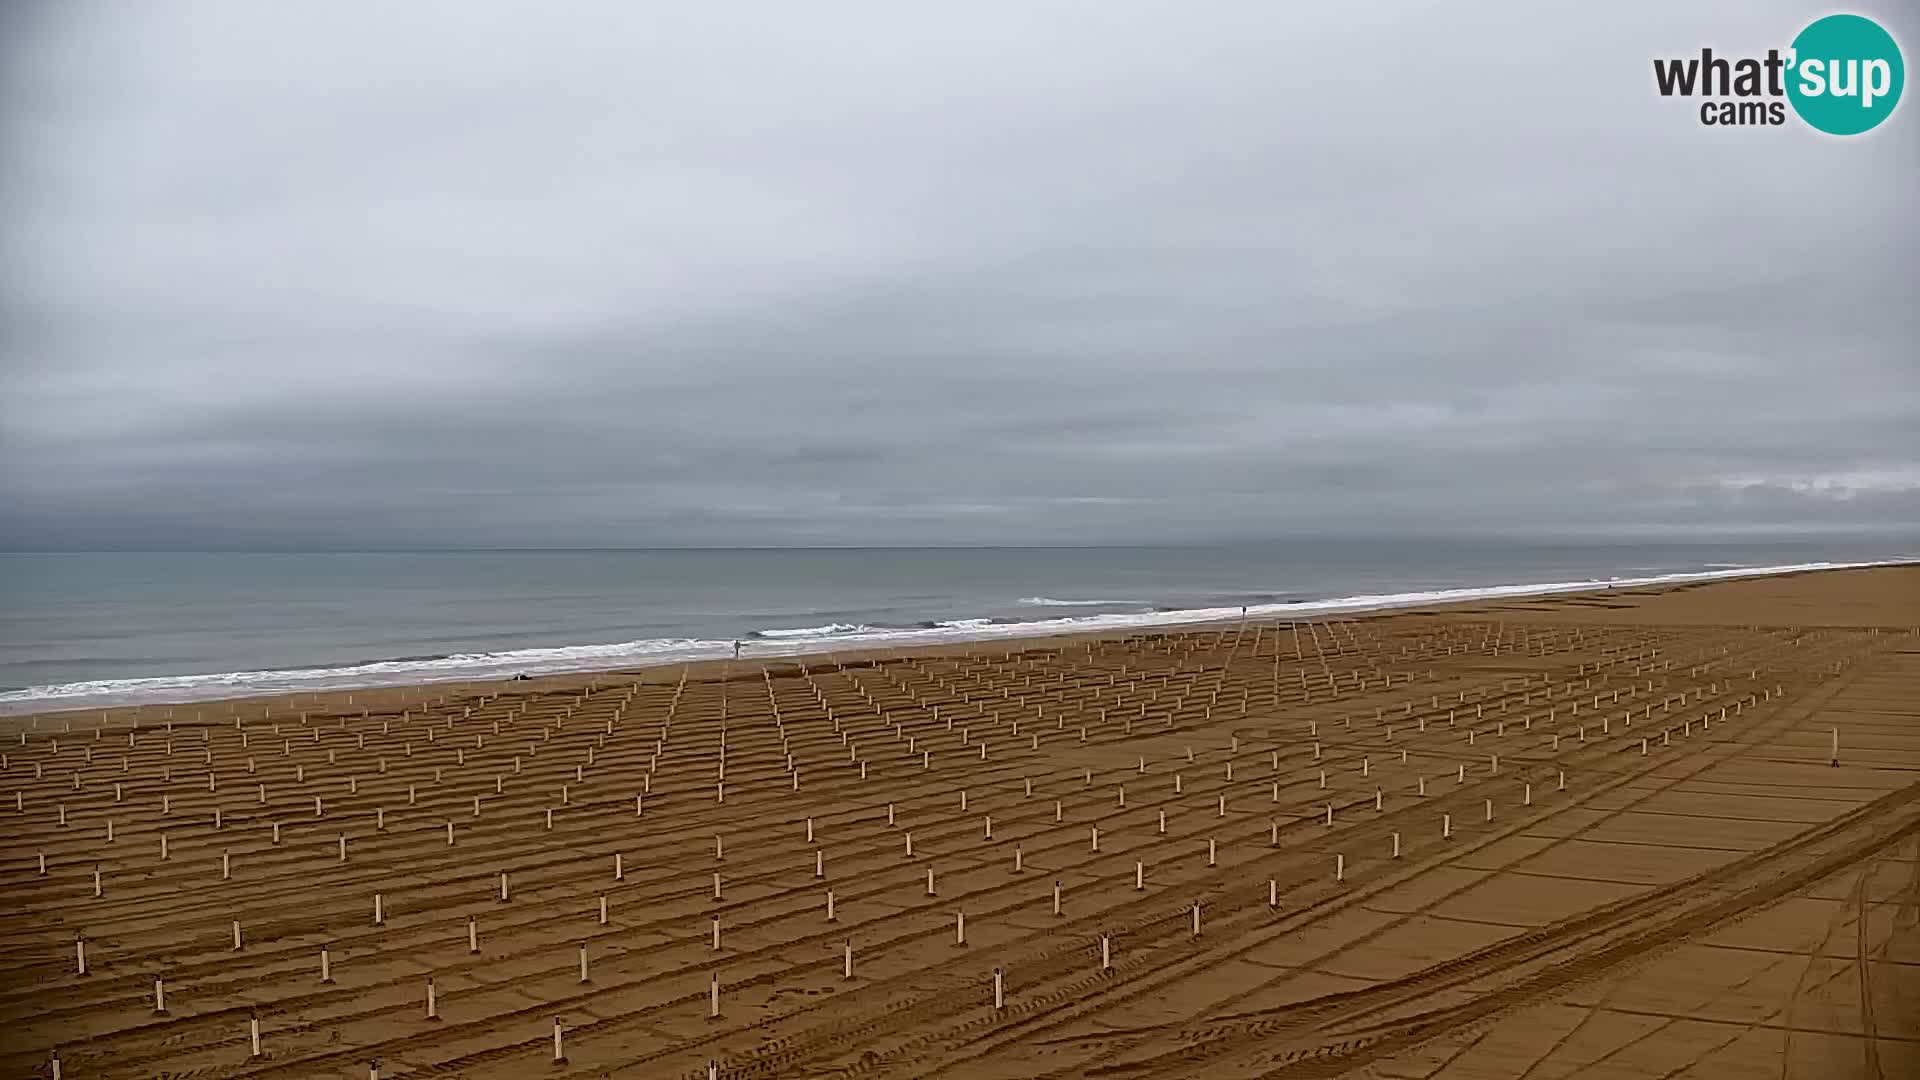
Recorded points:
(99, 629)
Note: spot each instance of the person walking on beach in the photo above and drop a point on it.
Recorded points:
(736, 648)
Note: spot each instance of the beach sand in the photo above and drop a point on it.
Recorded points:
(1595, 834)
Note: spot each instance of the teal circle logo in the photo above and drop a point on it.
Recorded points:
(1845, 75)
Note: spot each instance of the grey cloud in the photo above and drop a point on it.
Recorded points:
(868, 273)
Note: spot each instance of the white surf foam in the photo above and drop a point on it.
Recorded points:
(1048, 601)
(580, 658)
(829, 630)
(455, 667)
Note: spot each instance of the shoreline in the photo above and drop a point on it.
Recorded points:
(334, 682)
(1632, 763)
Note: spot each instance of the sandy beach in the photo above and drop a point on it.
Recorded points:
(1649, 831)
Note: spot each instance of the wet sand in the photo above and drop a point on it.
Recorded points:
(1592, 834)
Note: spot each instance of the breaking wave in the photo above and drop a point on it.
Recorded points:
(829, 630)
(393, 672)
(773, 642)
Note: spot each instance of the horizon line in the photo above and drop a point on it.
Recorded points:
(1550, 539)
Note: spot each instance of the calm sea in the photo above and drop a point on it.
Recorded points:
(93, 629)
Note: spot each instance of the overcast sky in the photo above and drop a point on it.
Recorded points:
(513, 274)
